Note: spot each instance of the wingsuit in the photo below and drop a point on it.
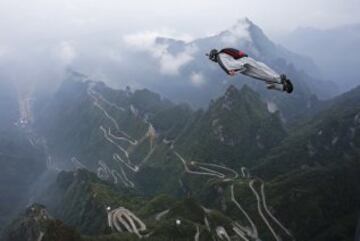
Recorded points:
(234, 61)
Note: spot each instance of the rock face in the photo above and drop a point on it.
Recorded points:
(35, 224)
(31, 225)
(236, 129)
(75, 198)
(332, 137)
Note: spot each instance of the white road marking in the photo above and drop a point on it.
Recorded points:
(251, 185)
(270, 214)
(217, 171)
(121, 219)
(161, 214)
(124, 158)
(254, 232)
(206, 171)
(222, 234)
(197, 234)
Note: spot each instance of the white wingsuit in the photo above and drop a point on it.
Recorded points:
(250, 67)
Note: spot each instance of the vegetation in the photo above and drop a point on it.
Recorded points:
(310, 172)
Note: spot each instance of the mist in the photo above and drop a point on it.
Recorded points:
(41, 39)
(111, 109)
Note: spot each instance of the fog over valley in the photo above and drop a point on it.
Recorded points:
(163, 120)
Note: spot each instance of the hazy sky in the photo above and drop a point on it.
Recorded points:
(39, 38)
(66, 18)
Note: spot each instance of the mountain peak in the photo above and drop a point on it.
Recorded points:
(231, 91)
(247, 90)
(233, 98)
(243, 21)
(240, 31)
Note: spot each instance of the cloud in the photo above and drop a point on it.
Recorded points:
(240, 31)
(272, 107)
(169, 63)
(66, 52)
(197, 79)
(147, 38)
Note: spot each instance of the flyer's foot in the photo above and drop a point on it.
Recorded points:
(288, 86)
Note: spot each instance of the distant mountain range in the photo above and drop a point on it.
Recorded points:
(173, 67)
(335, 51)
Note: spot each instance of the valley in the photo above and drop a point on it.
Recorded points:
(123, 150)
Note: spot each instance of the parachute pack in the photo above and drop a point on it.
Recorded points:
(235, 53)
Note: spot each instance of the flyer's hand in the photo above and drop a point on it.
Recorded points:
(232, 72)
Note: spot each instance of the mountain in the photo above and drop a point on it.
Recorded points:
(36, 224)
(132, 164)
(202, 80)
(321, 160)
(236, 129)
(101, 203)
(248, 36)
(317, 160)
(334, 50)
(330, 137)
(130, 137)
(85, 117)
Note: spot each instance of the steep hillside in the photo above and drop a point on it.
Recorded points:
(232, 170)
(105, 213)
(330, 138)
(131, 139)
(314, 173)
(236, 130)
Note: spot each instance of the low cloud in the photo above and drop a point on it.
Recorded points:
(169, 63)
(197, 79)
(240, 31)
(66, 52)
(272, 107)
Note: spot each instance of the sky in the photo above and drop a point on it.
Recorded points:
(66, 18)
(39, 38)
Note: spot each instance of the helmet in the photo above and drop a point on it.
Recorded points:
(213, 55)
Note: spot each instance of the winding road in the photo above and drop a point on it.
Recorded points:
(123, 157)
(227, 174)
(123, 220)
(208, 169)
